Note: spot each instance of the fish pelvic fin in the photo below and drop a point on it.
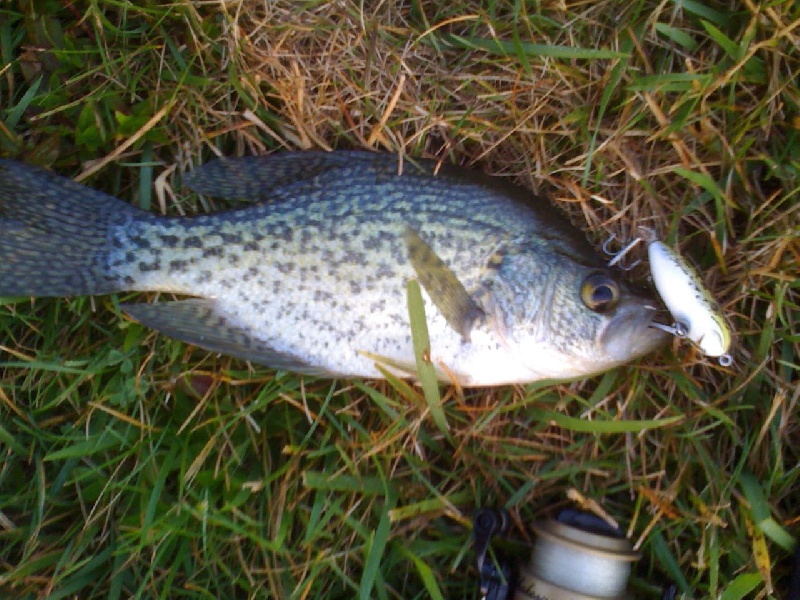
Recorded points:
(199, 322)
(54, 234)
(444, 288)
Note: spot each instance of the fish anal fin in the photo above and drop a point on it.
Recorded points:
(199, 322)
(444, 288)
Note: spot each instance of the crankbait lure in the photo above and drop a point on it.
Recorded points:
(696, 314)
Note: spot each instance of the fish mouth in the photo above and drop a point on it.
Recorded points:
(630, 333)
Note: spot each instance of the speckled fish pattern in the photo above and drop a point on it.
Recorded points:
(309, 274)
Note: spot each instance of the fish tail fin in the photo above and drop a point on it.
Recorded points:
(54, 234)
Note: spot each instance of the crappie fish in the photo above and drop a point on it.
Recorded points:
(312, 277)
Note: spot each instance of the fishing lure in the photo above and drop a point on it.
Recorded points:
(696, 314)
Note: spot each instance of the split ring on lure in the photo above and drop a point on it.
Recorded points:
(696, 316)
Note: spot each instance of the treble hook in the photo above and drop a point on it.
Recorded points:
(611, 238)
(618, 256)
(681, 330)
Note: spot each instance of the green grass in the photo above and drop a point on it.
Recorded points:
(135, 466)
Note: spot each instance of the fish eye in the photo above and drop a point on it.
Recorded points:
(599, 292)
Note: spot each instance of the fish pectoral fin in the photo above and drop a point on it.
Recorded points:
(200, 323)
(444, 288)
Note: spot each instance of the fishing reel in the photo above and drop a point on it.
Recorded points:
(577, 556)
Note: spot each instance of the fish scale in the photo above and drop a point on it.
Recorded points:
(309, 275)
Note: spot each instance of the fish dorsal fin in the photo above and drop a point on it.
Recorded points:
(257, 178)
(444, 288)
(199, 322)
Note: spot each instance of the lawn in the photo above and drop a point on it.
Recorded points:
(137, 466)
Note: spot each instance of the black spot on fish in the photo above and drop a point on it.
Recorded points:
(193, 241)
(286, 234)
(384, 271)
(231, 238)
(355, 287)
(168, 240)
(321, 296)
(147, 267)
(285, 268)
(276, 287)
(203, 277)
(178, 265)
(373, 243)
(355, 258)
(252, 271)
(234, 259)
(250, 247)
(215, 251)
(128, 280)
(140, 242)
(130, 257)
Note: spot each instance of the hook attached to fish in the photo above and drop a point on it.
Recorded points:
(696, 314)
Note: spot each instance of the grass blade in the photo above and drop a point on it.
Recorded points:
(376, 545)
(513, 48)
(726, 43)
(422, 353)
(368, 486)
(668, 562)
(585, 426)
(741, 586)
(16, 113)
(425, 573)
(762, 516)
